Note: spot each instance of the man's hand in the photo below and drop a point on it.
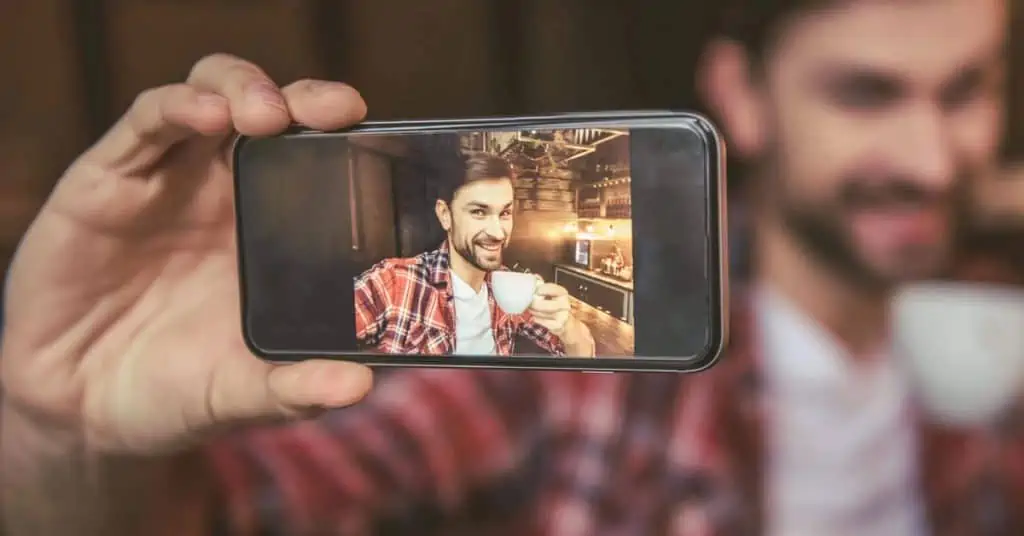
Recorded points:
(122, 314)
(551, 308)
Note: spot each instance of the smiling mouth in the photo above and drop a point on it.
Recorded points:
(493, 247)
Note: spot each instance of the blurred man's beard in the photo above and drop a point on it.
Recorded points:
(470, 248)
(825, 229)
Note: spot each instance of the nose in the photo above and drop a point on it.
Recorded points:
(494, 228)
(923, 147)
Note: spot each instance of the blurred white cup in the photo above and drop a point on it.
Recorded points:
(963, 344)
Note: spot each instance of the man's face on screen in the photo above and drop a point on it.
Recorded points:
(479, 222)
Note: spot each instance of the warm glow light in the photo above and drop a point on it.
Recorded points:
(590, 228)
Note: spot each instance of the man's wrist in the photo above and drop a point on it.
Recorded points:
(53, 483)
(22, 429)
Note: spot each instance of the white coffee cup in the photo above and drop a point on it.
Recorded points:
(513, 290)
(963, 344)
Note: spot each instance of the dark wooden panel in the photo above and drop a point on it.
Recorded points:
(421, 59)
(155, 43)
(41, 114)
(93, 54)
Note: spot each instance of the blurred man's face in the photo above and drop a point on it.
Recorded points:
(480, 221)
(871, 118)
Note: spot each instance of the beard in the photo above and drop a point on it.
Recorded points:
(825, 229)
(480, 250)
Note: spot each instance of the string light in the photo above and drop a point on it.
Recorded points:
(606, 182)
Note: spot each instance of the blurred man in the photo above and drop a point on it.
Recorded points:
(440, 302)
(867, 117)
(868, 126)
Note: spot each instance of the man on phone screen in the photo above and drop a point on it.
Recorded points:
(441, 302)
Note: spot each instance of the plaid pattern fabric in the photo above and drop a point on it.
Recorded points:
(473, 452)
(404, 306)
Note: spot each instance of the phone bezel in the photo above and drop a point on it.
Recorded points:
(714, 230)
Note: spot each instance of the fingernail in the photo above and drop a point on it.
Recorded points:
(319, 86)
(266, 93)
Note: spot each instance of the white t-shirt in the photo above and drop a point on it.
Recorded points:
(474, 334)
(841, 446)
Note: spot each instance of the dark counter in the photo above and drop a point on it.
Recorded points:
(624, 285)
(607, 294)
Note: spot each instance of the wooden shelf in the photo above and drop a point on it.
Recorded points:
(534, 205)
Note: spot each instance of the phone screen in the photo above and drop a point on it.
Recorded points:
(481, 246)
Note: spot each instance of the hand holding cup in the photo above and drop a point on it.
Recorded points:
(550, 307)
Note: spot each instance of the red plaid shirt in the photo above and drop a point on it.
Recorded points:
(474, 452)
(404, 306)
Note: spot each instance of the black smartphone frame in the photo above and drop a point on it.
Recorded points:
(715, 233)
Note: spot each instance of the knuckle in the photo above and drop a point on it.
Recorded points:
(224, 65)
(211, 61)
(147, 98)
(146, 110)
(145, 107)
(244, 70)
(155, 97)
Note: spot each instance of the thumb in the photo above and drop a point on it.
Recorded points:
(318, 384)
(293, 390)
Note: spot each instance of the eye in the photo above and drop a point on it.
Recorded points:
(506, 213)
(478, 213)
(964, 90)
(863, 91)
(864, 96)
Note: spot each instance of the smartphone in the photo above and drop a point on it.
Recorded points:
(584, 241)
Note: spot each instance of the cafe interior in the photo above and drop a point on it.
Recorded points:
(572, 212)
(572, 221)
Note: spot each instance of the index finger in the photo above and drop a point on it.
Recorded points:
(257, 106)
(551, 290)
(158, 119)
(223, 93)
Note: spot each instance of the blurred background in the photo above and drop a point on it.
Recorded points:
(72, 66)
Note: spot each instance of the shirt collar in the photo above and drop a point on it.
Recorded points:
(462, 290)
(796, 347)
(438, 263)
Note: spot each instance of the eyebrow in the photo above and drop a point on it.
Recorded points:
(480, 204)
(853, 70)
(890, 79)
(980, 65)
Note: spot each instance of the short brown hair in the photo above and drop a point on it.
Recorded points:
(756, 24)
(476, 167)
